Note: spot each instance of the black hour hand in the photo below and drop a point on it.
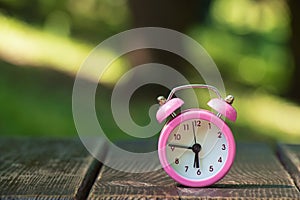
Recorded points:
(196, 149)
(196, 161)
(180, 146)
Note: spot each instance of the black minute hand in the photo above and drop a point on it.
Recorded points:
(196, 160)
(194, 133)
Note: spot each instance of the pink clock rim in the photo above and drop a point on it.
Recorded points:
(204, 115)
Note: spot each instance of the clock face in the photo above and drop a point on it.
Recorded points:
(198, 148)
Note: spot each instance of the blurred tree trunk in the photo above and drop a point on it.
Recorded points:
(294, 92)
(173, 14)
(178, 15)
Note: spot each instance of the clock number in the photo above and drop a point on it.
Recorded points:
(186, 168)
(211, 168)
(197, 123)
(172, 148)
(209, 125)
(220, 159)
(186, 127)
(198, 172)
(219, 134)
(176, 161)
(177, 136)
(223, 147)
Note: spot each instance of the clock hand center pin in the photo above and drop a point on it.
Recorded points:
(196, 149)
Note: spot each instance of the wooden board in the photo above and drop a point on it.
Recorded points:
(256, 174)
(45, 169)
(290, 157)
(63, 169)
(114, 184)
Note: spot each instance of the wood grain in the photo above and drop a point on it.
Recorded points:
(45, 169)
(290, 157)
(63, 169)
(115, 184)
(256, 174)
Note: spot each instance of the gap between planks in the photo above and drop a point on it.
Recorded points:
(289, 156)
(92, 172)
(256, 174)
(89, 179)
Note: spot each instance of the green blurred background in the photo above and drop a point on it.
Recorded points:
(253, 42)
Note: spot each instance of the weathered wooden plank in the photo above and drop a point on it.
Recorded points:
(123, 185)
(115, 184)
(45, 169)
(256, 174)
(290, 157)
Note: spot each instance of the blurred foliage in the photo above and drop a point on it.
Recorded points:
(247, 39)
(88, 20)
(249, 42)
(35, 101)
(23, 44)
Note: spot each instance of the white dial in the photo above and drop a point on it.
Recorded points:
(196, 149)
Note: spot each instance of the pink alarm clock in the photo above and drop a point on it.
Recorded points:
(196, 147)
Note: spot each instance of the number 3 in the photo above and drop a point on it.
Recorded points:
(223, 147)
